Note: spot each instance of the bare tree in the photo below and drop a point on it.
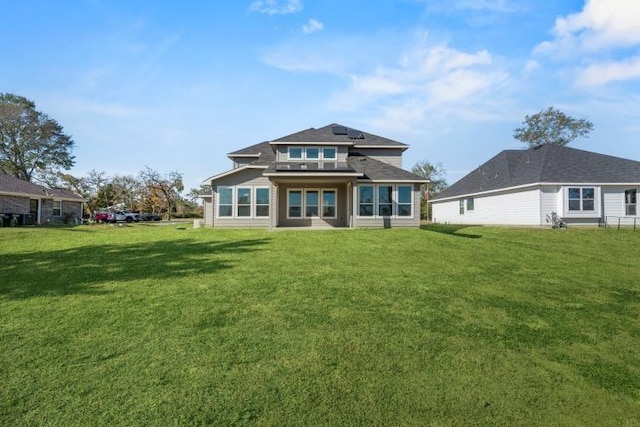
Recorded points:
(169, 186)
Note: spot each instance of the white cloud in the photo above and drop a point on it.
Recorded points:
(600, 37)
(276, 7)
(603, 73)
(312, 26)
(602, 24)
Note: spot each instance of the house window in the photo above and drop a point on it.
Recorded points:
(244, 201)
(312, 200)
(461, 206)
(313, 153)
(630, 202)
(581, 198)
(404, 200)
(294, 203)
(385, 200)
(470, 204)
(225, 201)
(262, 202)
(57, 208)
(329, 153)
(329, 203)
(365, 200)
(295, 153)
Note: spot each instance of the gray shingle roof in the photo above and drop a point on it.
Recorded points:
(326, 134)
(545, 164)
(376, 170)
(12, 185)
(263, 149)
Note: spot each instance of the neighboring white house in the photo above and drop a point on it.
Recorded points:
(522, 187)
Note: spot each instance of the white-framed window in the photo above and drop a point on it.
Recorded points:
(385, 200)
(312, 153)
(365, 200)
(405, 200)
(329, 153)
(328, 203)
(262, 201)
(243, 205)
(631, 202)
(243, 202)
(581, 199)
(461, 207)
(294, 203)
(295, 153)
(470, 204)
(311, 203)
(57, 208)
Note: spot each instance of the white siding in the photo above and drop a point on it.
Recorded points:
(507, 208)
(550, 201)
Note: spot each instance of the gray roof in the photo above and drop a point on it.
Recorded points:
(335, 133)
(12, 185)
(545, 164)
(376, 170)
(263, 149)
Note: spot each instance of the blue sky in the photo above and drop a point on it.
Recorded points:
(177, 85)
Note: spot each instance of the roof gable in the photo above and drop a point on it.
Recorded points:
(545, 164)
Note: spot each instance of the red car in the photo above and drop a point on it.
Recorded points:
(103, 217)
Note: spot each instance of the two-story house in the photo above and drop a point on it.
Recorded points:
(333, 176)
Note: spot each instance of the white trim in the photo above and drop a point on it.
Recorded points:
(402, 147)
(305, 158)
(231, 172)
(255, 201)
(597, 202)
(384, 181)
(243, 155)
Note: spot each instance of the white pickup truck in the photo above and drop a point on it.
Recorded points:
(125, 216)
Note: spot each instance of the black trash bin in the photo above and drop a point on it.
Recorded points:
(27, 219)
(5, 220)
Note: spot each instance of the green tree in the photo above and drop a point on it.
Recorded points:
(551, 126)
(31, 143)
(437, 182)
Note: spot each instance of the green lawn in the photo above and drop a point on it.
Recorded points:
(167, 325)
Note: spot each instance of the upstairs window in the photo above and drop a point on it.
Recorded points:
(329, 153)
(312, 153)
(630, 202)
(295, 153)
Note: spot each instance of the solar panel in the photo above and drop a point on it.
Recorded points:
(354, 134)
(339, 130)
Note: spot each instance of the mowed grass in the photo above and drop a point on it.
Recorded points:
(167, 325)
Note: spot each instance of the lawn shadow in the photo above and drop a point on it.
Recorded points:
(450, 229)
(82, 270)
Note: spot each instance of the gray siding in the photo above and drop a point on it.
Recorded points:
(14, 204)
(249, 178)
(388, 155)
